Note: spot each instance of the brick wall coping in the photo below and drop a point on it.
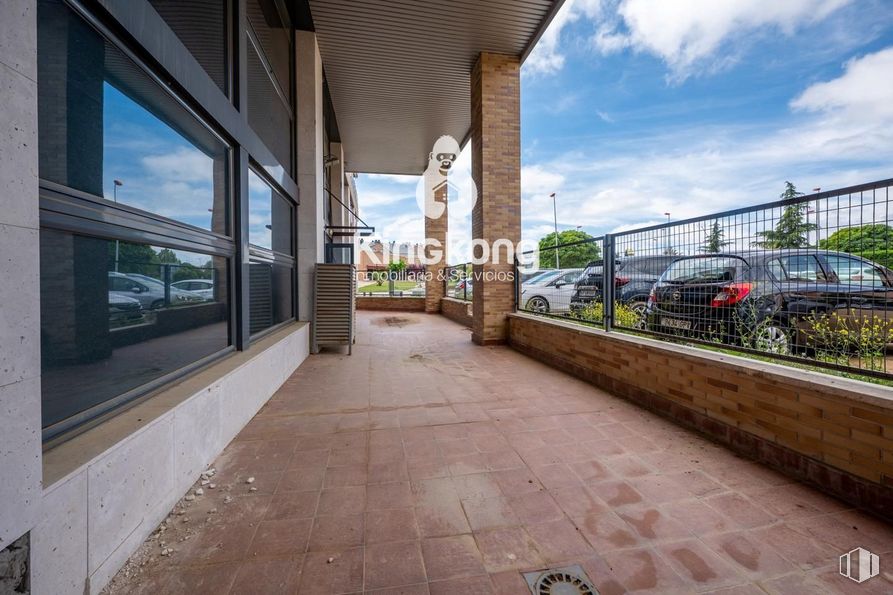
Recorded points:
(456, 300)
(833, 386)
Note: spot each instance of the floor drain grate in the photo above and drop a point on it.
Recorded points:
(569, 580)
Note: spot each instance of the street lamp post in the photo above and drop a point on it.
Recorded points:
(667, 248)
(555, 215)
(115, 185)
(816, 211)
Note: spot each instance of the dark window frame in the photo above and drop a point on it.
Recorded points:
(159, 54)
(261, 255)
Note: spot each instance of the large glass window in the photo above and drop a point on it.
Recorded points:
(113, 318)
(271, 225)
(108, 129)
(121, 160)
(201, 26)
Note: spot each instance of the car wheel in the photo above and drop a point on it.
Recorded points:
(773, 337)
(639, 309)
(538, 304)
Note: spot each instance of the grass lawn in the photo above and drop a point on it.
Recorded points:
(383, 288)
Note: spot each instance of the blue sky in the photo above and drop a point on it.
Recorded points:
(633, 108)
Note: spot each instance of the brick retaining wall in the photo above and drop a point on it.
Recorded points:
(397, 304)
(457, 310)
(833, 432)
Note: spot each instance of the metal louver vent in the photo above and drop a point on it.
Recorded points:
(333, 305)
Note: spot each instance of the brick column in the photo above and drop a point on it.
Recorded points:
(496, 168)
(436, 228)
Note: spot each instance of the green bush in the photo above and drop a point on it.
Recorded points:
(624, 316)
(883, 257)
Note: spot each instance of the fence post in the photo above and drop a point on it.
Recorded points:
(608, 281)
(166, 277)
(517, 280)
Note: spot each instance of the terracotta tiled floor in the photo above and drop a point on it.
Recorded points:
(425, 464)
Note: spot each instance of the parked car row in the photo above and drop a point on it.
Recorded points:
(780, 301)
(130, 294)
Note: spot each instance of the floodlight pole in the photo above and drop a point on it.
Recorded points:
(555, 215)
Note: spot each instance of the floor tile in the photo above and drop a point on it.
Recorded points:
(507, 548)
(451, 557)
(394, 564)
(393, 524)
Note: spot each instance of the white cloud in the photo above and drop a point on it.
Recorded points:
(398, 178)
(688, 34)
(841, 134)
(370, 199)
(405, 228)
(536, 179)
(182, 165)
(865, 90)
(546, 57)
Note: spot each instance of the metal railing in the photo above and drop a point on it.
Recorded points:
(405, 283)
(803, 279)
(458, 282)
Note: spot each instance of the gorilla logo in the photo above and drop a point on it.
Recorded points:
(443, 174)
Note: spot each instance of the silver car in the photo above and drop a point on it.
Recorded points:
(149, 292)
(550, 292)
(200, 287)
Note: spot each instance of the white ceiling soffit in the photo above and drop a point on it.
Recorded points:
(399, 70)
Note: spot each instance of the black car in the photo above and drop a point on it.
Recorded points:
(633, 279)
(773, 300)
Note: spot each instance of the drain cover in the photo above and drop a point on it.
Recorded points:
(569, 580)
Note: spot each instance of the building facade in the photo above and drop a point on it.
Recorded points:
(171, 172)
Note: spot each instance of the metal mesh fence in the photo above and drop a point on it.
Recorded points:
(458, 282)
(805, 279)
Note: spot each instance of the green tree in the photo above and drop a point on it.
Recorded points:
(395, 268)
(570, 257)
(168, 256)
(791, 231)
(715, 242)
(860, 239)
(133, 258)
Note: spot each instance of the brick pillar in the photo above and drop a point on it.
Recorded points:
(436, 228)
(496, 169)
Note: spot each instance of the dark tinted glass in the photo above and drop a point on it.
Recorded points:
(271, 28)
(111, 321)
(201, 26)
(271, 300)
(802, 268)
(712, 269)
(854, 271)
(655, 266)
(108, 129)
(270, 218)
(268, 112)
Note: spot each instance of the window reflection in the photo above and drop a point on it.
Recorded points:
(108, 129)
(271, 223)
(117, 315)
(270, 217)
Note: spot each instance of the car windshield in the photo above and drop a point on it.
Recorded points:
(704, 270)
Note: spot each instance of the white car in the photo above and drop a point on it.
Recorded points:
(200, 287)
(550, 292)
